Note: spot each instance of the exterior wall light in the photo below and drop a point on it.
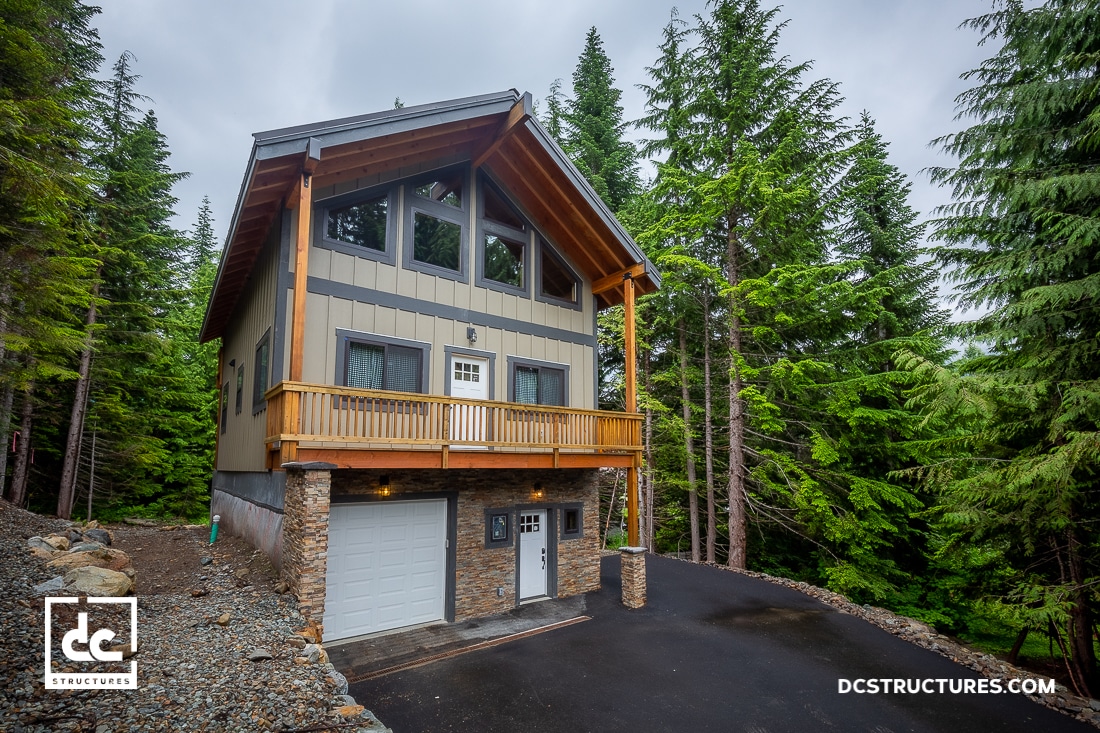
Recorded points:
(384, 485)
(471, 334)
(536, 491)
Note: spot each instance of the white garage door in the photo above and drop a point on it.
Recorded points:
(387, 565)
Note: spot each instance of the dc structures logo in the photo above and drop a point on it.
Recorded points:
(96, 655)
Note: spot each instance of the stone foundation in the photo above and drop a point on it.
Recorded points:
(305, 535)
(633, 574)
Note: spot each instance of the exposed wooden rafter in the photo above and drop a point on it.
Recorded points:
(519, 114)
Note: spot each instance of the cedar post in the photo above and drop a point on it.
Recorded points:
(631, 399)
(303, 202)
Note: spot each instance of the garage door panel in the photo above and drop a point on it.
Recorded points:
(386, 566)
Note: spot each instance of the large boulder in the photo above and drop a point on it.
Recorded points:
(101, 536)
(93, 581)
(57, 542)
(116, 560)
(41, 544)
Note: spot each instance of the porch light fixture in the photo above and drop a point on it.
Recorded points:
(471, 334)
(537, 490)
(384, 485)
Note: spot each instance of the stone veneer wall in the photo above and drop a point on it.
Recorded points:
(479, 571)
(633, 575)
(305, 536)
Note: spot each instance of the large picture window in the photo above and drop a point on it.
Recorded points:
(502, 243)
(360, 223)
(435, 225)
(538, 383)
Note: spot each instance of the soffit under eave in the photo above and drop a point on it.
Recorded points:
(592, 238)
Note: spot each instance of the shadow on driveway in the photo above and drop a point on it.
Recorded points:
(712, 651)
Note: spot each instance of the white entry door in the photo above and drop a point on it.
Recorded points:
(469, 379)
(532, 553)
(387, 564)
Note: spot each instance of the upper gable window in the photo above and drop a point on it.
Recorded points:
(503, 243)
(446, 190)
(360, 223)
(557, 283)
(435, 225)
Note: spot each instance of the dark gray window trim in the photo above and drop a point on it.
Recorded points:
(514, 361)
(224, 407)
(319, 286)
(450, 351)
(320, 230)
(570, 507)
(542, 244)
(487, 226)
(414, 204)
(344, 335)
(259, 404)
(452, 532)
(285, 286)
(509, 514)
(238, 397)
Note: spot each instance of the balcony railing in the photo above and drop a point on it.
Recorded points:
(346, 417)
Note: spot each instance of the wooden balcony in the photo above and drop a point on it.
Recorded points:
(362, 428)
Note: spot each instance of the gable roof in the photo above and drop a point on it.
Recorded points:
(496, 132)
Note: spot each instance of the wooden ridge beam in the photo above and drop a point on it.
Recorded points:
(518, 115)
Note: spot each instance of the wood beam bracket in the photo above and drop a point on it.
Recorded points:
(616, 279)
(309, 164)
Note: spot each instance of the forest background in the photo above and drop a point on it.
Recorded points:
(810, 409)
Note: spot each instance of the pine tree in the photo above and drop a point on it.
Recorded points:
(48, 54)
(1021, 240)
(594, 128)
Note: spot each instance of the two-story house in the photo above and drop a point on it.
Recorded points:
(407, 308)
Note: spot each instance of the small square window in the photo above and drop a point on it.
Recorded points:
(572, 521)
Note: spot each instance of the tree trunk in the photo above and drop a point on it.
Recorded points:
(736, 491)
(8, 398)
(689, 445)
(708, 434)
(23, 452)
(1080, 619)
(76, 422)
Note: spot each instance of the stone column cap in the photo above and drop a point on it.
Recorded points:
(632, 550)
(310, 466)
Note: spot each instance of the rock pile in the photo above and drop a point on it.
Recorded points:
(925, 636)
(263, 669)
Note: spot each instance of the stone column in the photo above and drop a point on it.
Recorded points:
(633, 575)
(305, 535)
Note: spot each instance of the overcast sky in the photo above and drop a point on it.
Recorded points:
(216, 70)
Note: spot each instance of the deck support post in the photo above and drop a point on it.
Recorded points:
(631, 399)
(302, 199)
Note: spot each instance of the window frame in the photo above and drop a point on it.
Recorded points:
(393, 212)
(344, 337)
(544, 246)
(519, 361)
(509, 528)
(414, 204)
(239, 397)
(224, 406)
(491, 227)
(260, 386)
(566, 509)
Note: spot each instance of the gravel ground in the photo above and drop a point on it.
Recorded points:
(194, 643)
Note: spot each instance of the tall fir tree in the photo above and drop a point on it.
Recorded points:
(1021, 242)
(594, 129)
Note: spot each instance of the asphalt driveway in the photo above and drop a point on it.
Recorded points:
(712, 651)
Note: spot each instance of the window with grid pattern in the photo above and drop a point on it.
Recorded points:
(540, 385)
(384, 366)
